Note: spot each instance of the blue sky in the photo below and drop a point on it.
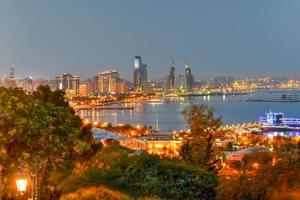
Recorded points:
(84, 37)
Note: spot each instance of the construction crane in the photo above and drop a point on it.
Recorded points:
(173, 62)
(186, 63)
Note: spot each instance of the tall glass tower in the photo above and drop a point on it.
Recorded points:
(144, 75)
(171, 78)
(137, 72)
(189, 79)
(140, 76)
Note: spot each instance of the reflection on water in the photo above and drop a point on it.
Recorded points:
(169, 111)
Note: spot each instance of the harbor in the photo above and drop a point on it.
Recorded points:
(233, 109)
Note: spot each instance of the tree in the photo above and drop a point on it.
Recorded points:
(38, 134)
(142, 176)
(44, 94)
(203, 125)
(271, 178)
(201, 120)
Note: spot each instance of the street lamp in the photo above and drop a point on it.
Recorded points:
(28, 178)
(21, 184)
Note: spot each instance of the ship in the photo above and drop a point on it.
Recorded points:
(282, 97)
(172, 95)
(278, 122)
(155, 101)
(293, 97)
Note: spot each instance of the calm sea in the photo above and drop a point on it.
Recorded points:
(232, 109)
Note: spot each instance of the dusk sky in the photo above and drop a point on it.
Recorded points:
(84, 37)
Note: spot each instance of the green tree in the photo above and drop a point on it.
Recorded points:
(142, 176)
(38, 135)
(203, 125)
(44, 94)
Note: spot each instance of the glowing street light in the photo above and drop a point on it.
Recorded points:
(21, 185)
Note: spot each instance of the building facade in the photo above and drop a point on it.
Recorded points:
(171, 78)
(108, 81)
(122, 86)
(68, 83)
(189, 79)
(140, 74)
(27, 84)
(84, 89)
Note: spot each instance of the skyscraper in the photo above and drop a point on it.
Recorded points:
(68, 83)
(189, 79)
(144, 75)
(10, 81)
(180, 81)
(137, 72)
(84, 89)
(108, 81)
(27, 84)
(171, 77)
(140, 75)
(95, 85)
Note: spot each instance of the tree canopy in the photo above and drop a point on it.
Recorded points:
(140, 176)
(203, 125)
(38, 134)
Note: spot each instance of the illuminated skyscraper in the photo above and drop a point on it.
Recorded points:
(108, 81)
(140, 75)
(171, 77)
(137, 72)
(84, 89)
(68, 83)
(189, 79)
(144, 75)
(95, 85)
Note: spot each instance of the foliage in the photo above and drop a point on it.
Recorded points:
(201, 120)
(142, 176)
(272, 179)
(38, 134)
(203, 125)
(56, 98)
(95, 193)
(111, 142)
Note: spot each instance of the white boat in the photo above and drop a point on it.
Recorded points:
(282, 97)
(293, 97)
(171, 95)
(155, 101)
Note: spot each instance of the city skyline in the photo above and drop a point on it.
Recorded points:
(44, 39)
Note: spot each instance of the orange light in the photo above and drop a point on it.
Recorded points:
(21, 185)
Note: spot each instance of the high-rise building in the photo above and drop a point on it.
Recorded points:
(84, 89)
(95, 85)
(10, 81)
(140, 75)
(27, 84)
(137, 72)
(180, 81)
(144, 75)
(108, 81)
(40, 82)
(171, 77)
(189, 79)
(122, 86)
(68, 83)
